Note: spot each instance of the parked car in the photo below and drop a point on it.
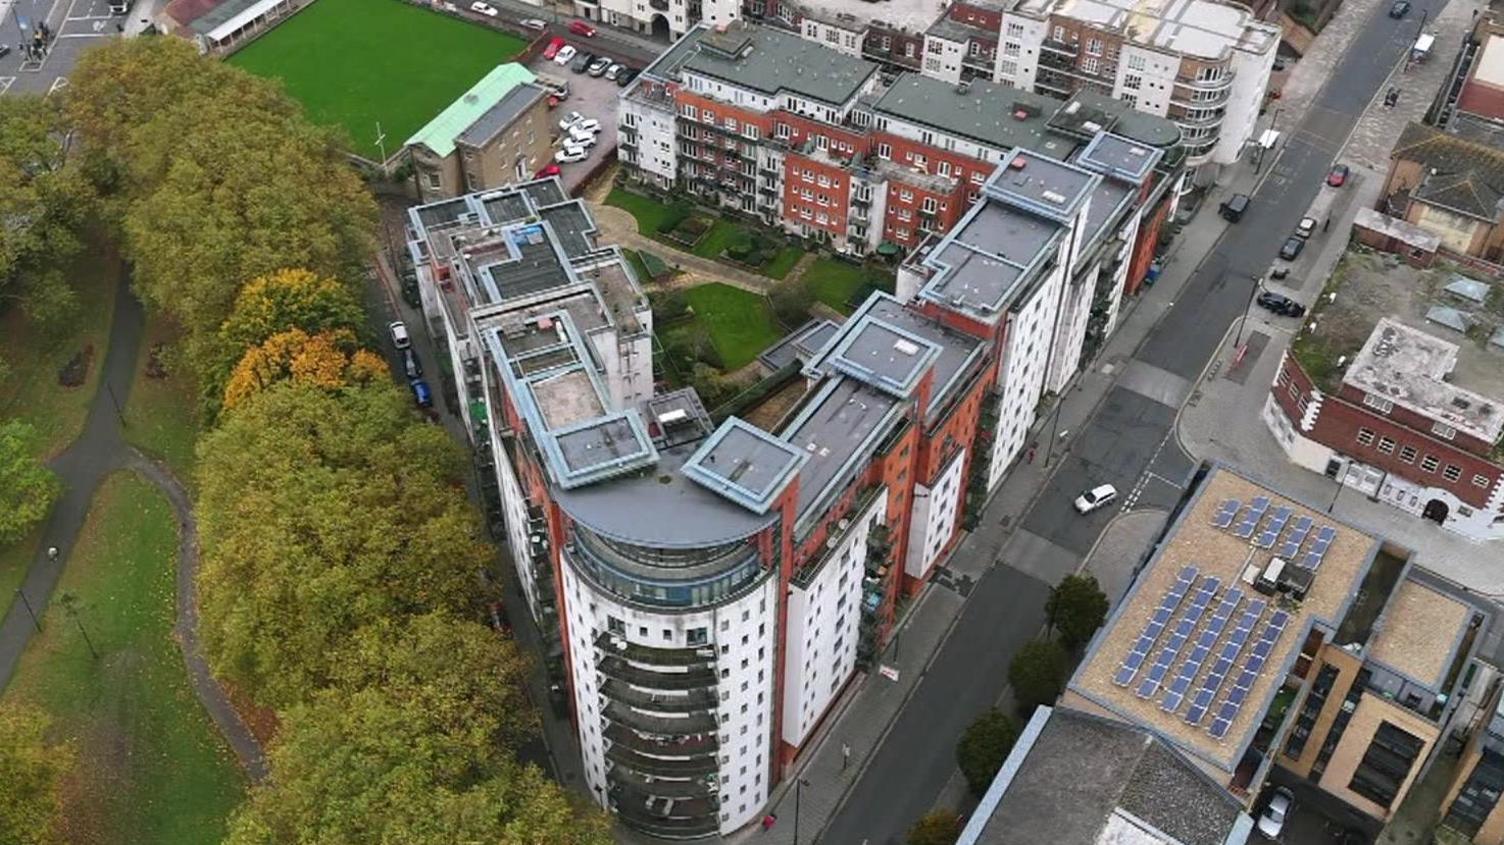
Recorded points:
(547, 171)
(625, 78)
(1233, 207)
(1280, 304)
(1291, 248)
(1272, 822)
(598, 66)
(1400, 9)
(571, 154)
(553, 48)
(410, 293)
(580, 138)
(569, 120)
(587, 124)
(582, 61)
(399, 334)
(1306, 227)
(579, 27)
(1096, 498)
(615, 70)
(411, 365)
(4, 50)
(483, 9)
(1338, 177)
(565, 54)
(421, 394)
(533, 23)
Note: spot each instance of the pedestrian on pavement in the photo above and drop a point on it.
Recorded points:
(52, 553)
(845, 755)
(1327, 225)
(768, 821)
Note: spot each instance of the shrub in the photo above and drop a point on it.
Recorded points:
(984, 747)
(791, 302)
(1038, 674)
(940, 827)
(1076, 608)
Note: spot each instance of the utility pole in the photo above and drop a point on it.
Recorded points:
(29, 611)
(1257, 283)
(799, 784)
(70, 606)
(381, 144)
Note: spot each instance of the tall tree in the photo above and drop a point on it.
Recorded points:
(330, 360)
(30, 773)
(369, 766)
(27, 487)
(1076, 608)
(321, 513)
(44, 206)
(983, 748)
(1038, 673)
(290, 299)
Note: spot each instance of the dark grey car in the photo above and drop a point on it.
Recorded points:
(1291, 249)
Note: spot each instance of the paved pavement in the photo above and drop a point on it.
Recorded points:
(77, 25)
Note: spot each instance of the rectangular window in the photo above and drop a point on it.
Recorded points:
(905, 215)
(781, 130)
(1132, 81)
(929, 205)
(731, 124)
(1386, 445)
(1060, 34)
(1089, 66)
(1386, 765)
(1452, 472)
(1429, 463)
(1093, 47)
(978, 177)
(884, 151)
(1407, 454)
(1378, 403)
(921, 162)
(1365, 437)
(1011, 49)
(943, 168)
(1015, 30)
(1480, 481)
(750, 130)
(1135, 62)
(1444, 431)
(690, 112)
(1008, 68)
(974, 48)
(822, 142)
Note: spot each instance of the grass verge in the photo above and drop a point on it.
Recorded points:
(651, 215)
(161, 415)
(150, 766)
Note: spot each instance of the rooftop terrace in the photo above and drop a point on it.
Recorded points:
(1200, 28)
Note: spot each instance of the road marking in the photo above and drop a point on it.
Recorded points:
(1148, 474)
(6, 82)
(60, 82)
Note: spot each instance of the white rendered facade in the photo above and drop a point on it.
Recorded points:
(661, 17)
(1021, 374)
(937, 506)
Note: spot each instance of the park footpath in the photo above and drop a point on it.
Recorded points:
(847, 739)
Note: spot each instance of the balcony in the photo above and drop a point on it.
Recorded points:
(1221, 83)
(675, 746)
(703, 656)
(638, 676)
(667, 818)
(1063, 48)
(702, 721)
(661, 767)
(1211, 122)
(624, 779)
(694, 702)
(659, 5)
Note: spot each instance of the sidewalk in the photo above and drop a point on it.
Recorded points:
(618, 226)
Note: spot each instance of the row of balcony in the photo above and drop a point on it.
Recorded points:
(619, 668)
(665, 817)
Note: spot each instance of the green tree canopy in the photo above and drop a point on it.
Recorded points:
(984, 747)
(290, 299)
(1076, 608)
(940, 827)
(31, 770)
(27, 487)
(321, 514)
(791, 301)
(44, 206)
(371, 766)
(1038, 674)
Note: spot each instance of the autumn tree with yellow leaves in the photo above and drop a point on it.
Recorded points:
(331, 360)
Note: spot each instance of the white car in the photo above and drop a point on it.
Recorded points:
(483, 9)
(1273, 819)
(614, 71)
(533, 23)
(565, 54)
(569, 120)
(588, 124)
(399, 334)
(1097, 497)
(571, 154)
(579, 138)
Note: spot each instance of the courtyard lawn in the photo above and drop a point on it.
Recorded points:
(739, 322)
(722, 234)
(357, 63)
(783, 262)
(161, 416)
(651, 215)
(834, 282)
(150, 766)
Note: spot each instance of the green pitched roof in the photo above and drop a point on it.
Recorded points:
(440, 132)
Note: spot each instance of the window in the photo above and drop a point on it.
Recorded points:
(921, 162)
(934, 46)
(978, 177)
(908, 50)
(731, 124)
(1480, 481)
(1094, 47)
(616, 626)
(1386, 764)
(822, 219)
(1011, 49)
(1015, 30)
(781, 130)
(1059, 34)
(1452, 472)
(1444, 431)
(886, 43)
(1089, 66)
(690, 112)
(929, 205)
(1135, 62)
(906, 196)
(1378, 403)
(1429, 463)
(943, 168)
(884, 151)
(1386, 445)
(1132, 81)
(434, 180)
(932, 65)
(905, 215)
(1407, 454)
(750, 130)
(822, 142)
(1365, 437)
(974, 48)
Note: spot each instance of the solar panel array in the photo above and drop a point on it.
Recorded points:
(1230, 708)
(1271, 529)
(1251, 516)
(1231, 649)
(1155, 626)
(1200, 599)
(1298, 531)
(1244, 522)
(1191, 666)
(1313, 557)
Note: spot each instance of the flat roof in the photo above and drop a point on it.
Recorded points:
(838, 428)
(1217, 560)
(800, 345)
(1489, 68)
(1408, 367)
(881, 355)
(745, 464)
(984, 260)
(908, 16)
(958, 350)
(1419, 633)
(773, 61)
(1087, 113)
(498, 117)
(986, 112)
(1041, 185)
(1120, 158)
(1200, 28)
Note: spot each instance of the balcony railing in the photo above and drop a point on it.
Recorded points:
(1200, 122)
(702, 656)
(624, 779)
(619, 669)
(653, 819)
(1221, 83)
(702, 721)
(694, 702)
(675, 746)
(1050, 45)
(661, 767)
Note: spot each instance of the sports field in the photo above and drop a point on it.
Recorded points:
(356, 63)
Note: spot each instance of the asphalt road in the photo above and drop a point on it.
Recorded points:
(1128, 443)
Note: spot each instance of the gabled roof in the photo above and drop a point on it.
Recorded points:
(1465, 175)
(440, 133)
(1462, 192)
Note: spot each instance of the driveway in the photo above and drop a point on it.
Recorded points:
(591, 97)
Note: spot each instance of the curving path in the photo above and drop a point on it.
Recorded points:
(100, 450)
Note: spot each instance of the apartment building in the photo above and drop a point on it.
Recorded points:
(892, 36)
(962, 43)
(1471, 808)
(1204, 64)
(665, 19)
(813, 140)
(494, 134)
(1264, 634)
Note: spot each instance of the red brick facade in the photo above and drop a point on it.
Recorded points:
(816, 194)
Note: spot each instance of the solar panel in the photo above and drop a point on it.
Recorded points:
(1228, 654)
(1311, 561)
(1204, 642)
(1183, 629)
(1258, 506)
(1154, 627)
(1257, 657)
(1226, 512)
(1281, 516)
(1246, 528)
(1289, 549)
(1266, 539)
(1326, 533)
(1220, 727)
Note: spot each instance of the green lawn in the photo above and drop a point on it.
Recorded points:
(14, 559)
(356, 63)
(651, 215)
(161, 416)
(150, 766)
(783, 262)
(833, 282)
(739, 323)
(36, 354)
(722, 234)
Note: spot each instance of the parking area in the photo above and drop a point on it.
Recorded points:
(1316, 818)
(592, 97)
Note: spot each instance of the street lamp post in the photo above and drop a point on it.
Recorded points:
(29, 611)
(799, 784)
(1257, 283)
(1340, 485)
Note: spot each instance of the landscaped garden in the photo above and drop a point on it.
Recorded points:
(736, 324)
(678, 225)
(148, 765)
(161, 415)
(359, 63)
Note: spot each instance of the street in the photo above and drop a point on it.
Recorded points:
(1128, 442)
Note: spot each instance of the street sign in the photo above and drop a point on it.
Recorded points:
(888, 672)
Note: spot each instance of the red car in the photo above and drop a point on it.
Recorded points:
(1338, 176)
(553, 48)
(579, 27)
(550, 170)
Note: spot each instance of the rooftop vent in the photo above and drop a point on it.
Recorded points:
(1091, 126)
(1051, 196)
(963, 87)
(1018, 163)
(906, 347)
